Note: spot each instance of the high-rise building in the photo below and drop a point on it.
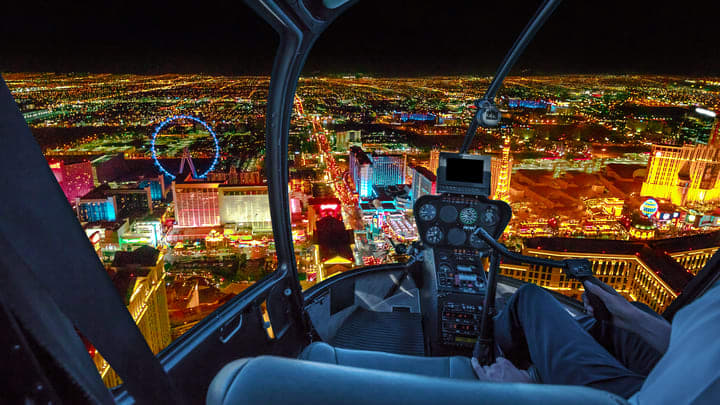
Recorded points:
(501, 173)
(387, 170)
(423, 182)
(96, 209)
(375, 170)
(683, 174)
(108, 168)
(157, 187)
(75, 179)
(139, 277)
(434, 160)
(245, 206)
(109, 204)
(131, 202)
(345, 138)
(57, 169)
(361, 171)
(196, 203)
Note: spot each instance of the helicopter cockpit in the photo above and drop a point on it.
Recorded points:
(400, 332)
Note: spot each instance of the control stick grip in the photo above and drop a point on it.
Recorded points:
(600, 311)
(581, 270)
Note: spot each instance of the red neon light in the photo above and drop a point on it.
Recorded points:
(324, 207)
(95, 237)
(295, 207)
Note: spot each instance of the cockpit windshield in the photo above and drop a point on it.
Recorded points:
(164, 164)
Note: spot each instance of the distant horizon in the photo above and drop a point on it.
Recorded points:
(346, 75)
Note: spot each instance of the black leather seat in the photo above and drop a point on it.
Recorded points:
(449, 367)
(277, 380)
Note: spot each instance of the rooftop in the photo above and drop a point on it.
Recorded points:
(360, 155)
(425, 173)
(655, 253)
(144, 256)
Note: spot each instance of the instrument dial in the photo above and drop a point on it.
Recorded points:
(490, 216)
(427, 212)
(468, 215)
(456, 237)
(477, 242)
(434, 235)
(448, 213)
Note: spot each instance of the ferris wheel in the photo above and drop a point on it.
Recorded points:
(186, 153)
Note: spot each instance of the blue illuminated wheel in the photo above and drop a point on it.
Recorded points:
(184, 117)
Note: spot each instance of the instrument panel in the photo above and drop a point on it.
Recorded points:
(446, 224)
(460, 271)
(460, 324)
(449, 220)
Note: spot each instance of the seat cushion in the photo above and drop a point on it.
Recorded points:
(448, 367)
(277, 380)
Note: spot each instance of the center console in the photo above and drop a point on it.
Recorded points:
(454, 265)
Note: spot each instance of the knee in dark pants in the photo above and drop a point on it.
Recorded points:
(530, 291)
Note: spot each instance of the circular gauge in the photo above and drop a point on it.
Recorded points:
(427, 212)
(490, 216)
(456, 237)
(445, 269)
(434, 235)
(477, 242)
(468, 215)
(448, 213)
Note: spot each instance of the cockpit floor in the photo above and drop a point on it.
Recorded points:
(390, 332)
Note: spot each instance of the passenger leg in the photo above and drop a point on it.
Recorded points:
(535, 328)
(629, 348)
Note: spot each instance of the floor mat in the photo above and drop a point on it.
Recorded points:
(391, 332)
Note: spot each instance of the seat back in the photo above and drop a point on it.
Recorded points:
(277, 380)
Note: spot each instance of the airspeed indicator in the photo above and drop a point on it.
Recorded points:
(468, 215)
(427, 212)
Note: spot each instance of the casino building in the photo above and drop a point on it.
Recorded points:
(139, 277)
(245, 206)
(375, 170)
(196, 203)
(211, 204)
(653, 272)
(683, 174)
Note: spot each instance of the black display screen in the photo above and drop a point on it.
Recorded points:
(464, 170)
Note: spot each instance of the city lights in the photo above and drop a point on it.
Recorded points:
(705, 112)
(621, 160)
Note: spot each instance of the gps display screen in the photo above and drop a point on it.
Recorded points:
(464, 170)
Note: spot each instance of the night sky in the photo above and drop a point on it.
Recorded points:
(378, 37)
